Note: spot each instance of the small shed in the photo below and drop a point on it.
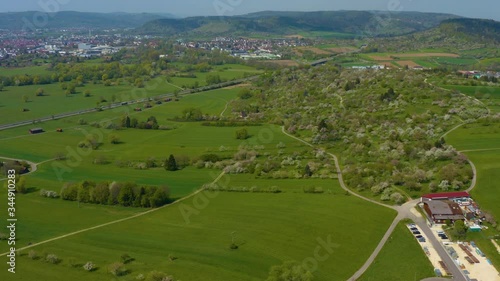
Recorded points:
(36, 131)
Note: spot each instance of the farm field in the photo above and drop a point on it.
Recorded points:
(14, 107)
(391, 56)
(263, 225)
(401, 259)
(481, 144)
(44, 218)
(424, 58)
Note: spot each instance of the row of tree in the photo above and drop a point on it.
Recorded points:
(115, 193)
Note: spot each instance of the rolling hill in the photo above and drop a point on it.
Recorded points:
(69, 19)
(452, 35)
(356, 23)
(472, 29)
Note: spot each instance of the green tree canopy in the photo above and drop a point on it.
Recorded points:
(289, 271)
(171, 164)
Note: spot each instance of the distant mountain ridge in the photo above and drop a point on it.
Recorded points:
(358, 23)
(70, 19)
(472, 29)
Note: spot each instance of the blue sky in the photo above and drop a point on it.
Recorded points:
(480, 9)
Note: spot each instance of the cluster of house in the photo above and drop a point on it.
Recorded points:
(65, 44)
(92, 50)
(452, 206)
(248, 48)
(478, 74)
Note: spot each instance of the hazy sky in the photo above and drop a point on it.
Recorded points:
(481, 9)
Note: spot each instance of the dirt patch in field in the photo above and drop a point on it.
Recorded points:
(342, 50)
(284, 62)
(388, 64)
(409, 63)
(423, 55)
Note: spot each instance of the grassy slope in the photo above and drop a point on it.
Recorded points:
(270, 228)
(401, 259)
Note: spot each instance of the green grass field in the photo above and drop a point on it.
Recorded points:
(269, 229)
(32, 70)
(188, 139)
(401, 259)
(12, 99)
(265, 224)
(456, 61)
(482, 145)
(41, 218)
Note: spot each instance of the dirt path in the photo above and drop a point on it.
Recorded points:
(33, 165)
(116, 221)
(225, 109)
(479, 150)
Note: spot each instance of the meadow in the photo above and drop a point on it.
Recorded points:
(401, 259)
(19, 103)
(481, 144)
(428, 58)
(268, 229)
(263, 225)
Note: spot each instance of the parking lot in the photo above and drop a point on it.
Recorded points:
(428, 249)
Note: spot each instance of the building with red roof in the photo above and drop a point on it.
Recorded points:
(446, 195)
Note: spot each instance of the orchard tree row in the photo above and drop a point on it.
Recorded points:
(115, 193)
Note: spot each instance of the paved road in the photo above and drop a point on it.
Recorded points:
(422, 224)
